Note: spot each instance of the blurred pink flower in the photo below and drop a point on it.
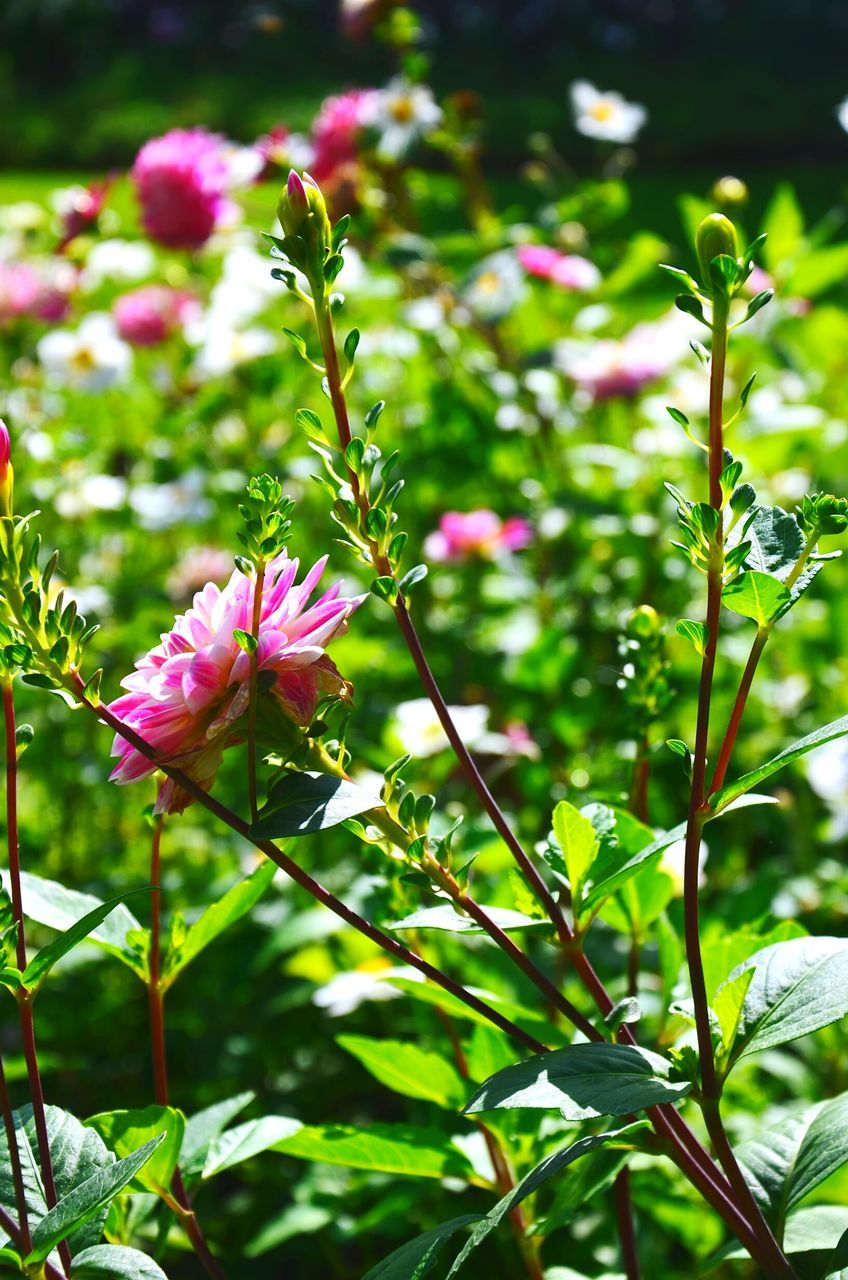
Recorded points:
(335, 131)
(82, 211)
(565, 269)
(186, 695)
(462, 535)
(608, 367)
(149, 315)
(196, 567)
(35, 292)
(182, 181)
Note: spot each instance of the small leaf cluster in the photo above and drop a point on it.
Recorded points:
(724, 272)
(42, 635)
(412, 812)
(266, 514)
(644, 676)
(319, 255)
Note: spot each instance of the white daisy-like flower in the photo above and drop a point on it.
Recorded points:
(605, 115)
(90, 358)
(402, 113)
(224, 348)
(416, 726)
(344, 993)
(116, 261)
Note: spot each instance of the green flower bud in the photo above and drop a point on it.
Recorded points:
(302, 212)
(825, 512)
(715, 236)
(643, 622)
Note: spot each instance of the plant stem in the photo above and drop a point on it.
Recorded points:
(777, 1264)
(15, 1161)
(24, 997)
(251, 705)
(160, 1059)
(626, 1231)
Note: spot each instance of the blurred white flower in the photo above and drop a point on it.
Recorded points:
(495, 286)
(224, 349)
(90, 493)
(347, 991)
(416, 726)
(160, 506)
(673, 862)
(115, 261)
(827, 772)
(605, 115)
(842, 114)
(402, 113)
(91, 357)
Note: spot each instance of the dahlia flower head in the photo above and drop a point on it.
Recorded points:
(149, 315)
(35, 291)
(464, 535)
(336, 128)
(182, 180)
(568, 270)
(187, 695)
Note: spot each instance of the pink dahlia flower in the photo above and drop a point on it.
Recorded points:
(462, 535)
(568, 270)
(186, 696)
(149, 315)
(35, 293)
(335, 131)
(182, 181)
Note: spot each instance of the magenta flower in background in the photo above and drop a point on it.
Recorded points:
(149, 315)
(35, 292)
(463, 535)
(186, 696)
(335, 131)
(182, 180)
(568, 270)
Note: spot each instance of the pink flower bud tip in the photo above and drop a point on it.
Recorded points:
(5, 448)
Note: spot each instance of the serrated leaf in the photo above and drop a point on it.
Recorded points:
(531, 1182)
(406, 1069)
(234, 1146)
(301, 803)
(776, 542)
(86, 1200)
(583, 1081)
(732, 790)
(52, 904)
(126, 1131)
(381, 1148)
(448, 920)
(115, 1262)
(579, 844)
(218, 917)
(797, 987)
(757, 596)
(416, 1259)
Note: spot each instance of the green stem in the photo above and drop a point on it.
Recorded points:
(23, 996)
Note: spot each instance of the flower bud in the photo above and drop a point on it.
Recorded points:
(6, 472)
(824, 512)
(302, 212)
(715, 236)
(643, 622)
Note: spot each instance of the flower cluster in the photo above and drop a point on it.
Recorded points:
(186, 696)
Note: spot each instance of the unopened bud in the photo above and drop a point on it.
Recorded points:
(6, 472)
(643, 622)
(825, 512)
(715, 236)
(302, 212)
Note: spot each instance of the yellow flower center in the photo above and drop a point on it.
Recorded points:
(488, 282)
(83, 361)
(402, 110)
(602, 111)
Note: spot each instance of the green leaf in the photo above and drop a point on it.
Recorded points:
(41, 964)
(403, 1067)
(235, 904)
(732, 790)
(202, 1129)
(819, 271)
(784, 225)
(301, 803)
(51, 904)
(695, 632)
(583, 1081)
(813, 1229)
(786, 1162)
(115, 1262)
(125, 1131)
(412, 576)
(381, 1148)
(86, 1200)
(579, 843)
(728, 1006)
(756, 595)
(445, 918)
(837, 1267)
(531, 1182)
(416, 1258)
(247, 1140)
(776, 542)
(797, 987)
